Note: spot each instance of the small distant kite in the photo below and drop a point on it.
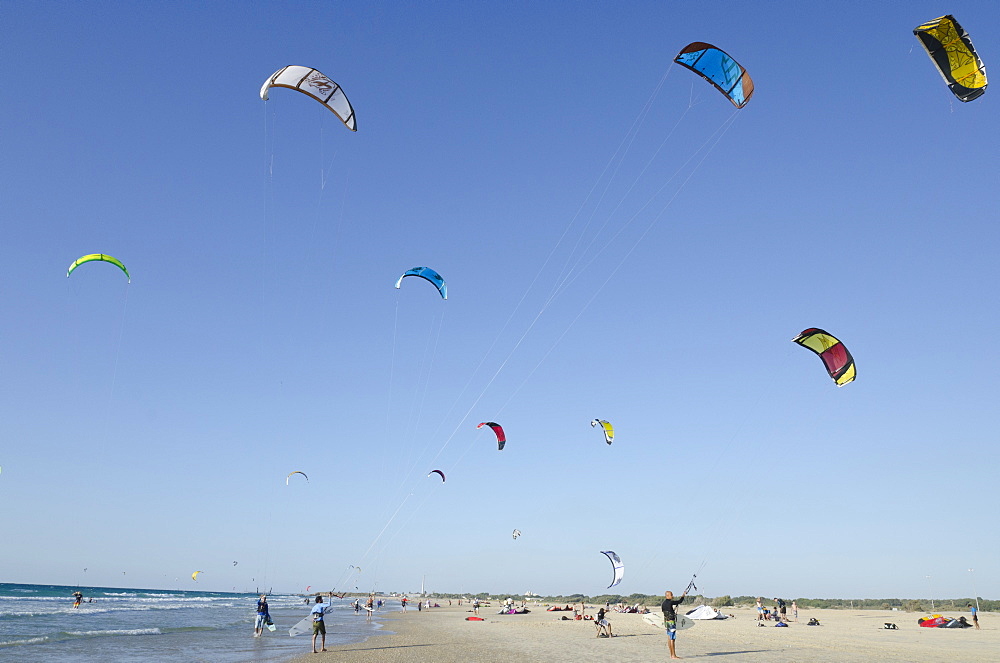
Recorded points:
(317, 85)
(307, 588)
(718, 68)
(952, 52)
(619, 567)
(516, 533)
(438, 472)
(501, 438)
(428, 274)
(295, 472)
(609, 431)
(838, 361)
(194, 576)
(100, 257)
(235, 563)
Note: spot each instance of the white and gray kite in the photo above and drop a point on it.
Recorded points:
(317, 85)
(619, 567)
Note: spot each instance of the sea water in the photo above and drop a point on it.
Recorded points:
(39, 623)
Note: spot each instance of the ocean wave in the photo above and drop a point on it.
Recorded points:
(126, 631)
(89, 610)
(29, 641)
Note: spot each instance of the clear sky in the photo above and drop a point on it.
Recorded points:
(523, 150)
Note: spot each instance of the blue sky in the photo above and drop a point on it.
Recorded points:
(519, 149)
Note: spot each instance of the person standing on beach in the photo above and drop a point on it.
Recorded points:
(668, 607)
(795, 611)
(975, 615)
(319, 626)
(263, 616)
(760, 610)
(475, 606)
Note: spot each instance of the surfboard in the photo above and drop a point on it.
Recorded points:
(302, 627)
(655, 619)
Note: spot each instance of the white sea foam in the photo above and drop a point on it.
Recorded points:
(28, 641)
(90, 610)
(127, 631)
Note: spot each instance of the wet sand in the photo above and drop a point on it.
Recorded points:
(855, 636)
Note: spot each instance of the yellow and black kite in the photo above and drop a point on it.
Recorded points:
(835, 355)
(950, 47)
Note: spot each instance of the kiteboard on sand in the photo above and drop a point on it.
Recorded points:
(655, 619)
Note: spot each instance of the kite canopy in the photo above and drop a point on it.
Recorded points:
(951, 50)
(619, 567)
(718, 68)
(501, 438)
(295, 472)
(609, 431)
(430, 275)
(99, 257)
(439, 473)
(837, 359)
(194, 576)
(516, 533)
(318, 86)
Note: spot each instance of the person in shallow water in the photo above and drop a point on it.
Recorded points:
(263, 616)
(78, 599)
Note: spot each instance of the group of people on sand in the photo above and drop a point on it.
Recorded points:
(778, 613)
(633, 609)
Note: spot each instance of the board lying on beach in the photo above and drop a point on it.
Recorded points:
(655, 619)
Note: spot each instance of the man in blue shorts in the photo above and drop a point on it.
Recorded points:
(668, 607)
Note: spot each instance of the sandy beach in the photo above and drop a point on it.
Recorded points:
(443, 635)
